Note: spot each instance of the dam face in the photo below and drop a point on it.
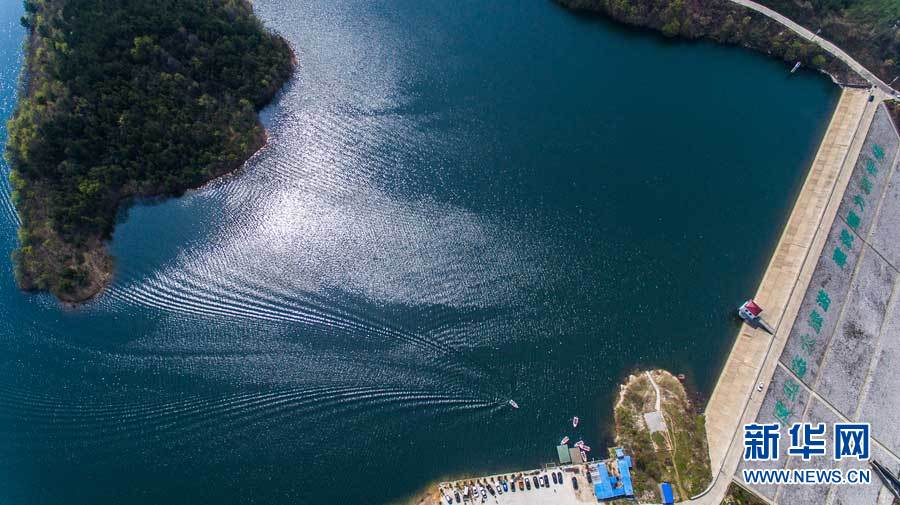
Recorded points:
(831, 288)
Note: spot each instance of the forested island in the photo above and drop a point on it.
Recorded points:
(869, 30)
(124, 99)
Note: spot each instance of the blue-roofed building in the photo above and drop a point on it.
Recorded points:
(665, 489)
(611, 487)
(603, 485)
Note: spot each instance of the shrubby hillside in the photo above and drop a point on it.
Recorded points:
(868, 30)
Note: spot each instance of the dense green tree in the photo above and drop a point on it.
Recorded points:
(128, 98)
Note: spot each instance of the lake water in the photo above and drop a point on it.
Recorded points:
(461, 203)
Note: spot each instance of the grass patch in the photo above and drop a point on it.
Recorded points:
(740, 496)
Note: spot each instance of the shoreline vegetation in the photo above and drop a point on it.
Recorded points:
(739, 496)
(125, 100)
(724, 22)
(867, 30)
(673, 451)
(893, 107)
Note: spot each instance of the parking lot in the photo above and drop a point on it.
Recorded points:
(556, 493)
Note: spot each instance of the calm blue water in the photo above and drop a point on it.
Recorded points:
(462, 202)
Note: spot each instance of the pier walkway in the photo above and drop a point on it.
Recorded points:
(755, 353)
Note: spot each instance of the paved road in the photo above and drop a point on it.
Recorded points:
(824, 44)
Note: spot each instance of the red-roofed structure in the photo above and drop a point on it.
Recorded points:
(752, 307)
(750, 311)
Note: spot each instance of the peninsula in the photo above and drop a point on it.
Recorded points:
(665, 433)
(128, 99)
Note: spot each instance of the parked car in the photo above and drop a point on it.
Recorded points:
(553, 474)
(528, 484)
(505, 487)
(537, 483)
(546, 481)
(560, 476)
(574, 482)
(590, 479)
(521, 485)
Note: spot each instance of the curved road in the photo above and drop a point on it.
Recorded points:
(824, 44)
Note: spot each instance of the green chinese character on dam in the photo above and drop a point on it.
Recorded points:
(839, 257)
(853, 220)
(798, 365)
(815, 321)
(878, 152)
(858, 200)
(791, 387)
(866, 185)
(782, 413)
(823, 300)
(846, 239)
(807, 343)
(870, 167)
